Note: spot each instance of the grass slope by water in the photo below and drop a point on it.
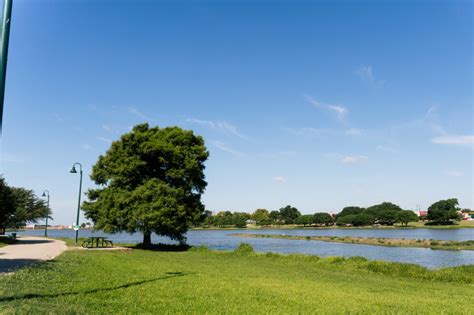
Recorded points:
(200, 281)
(377, 241)
(411, 225)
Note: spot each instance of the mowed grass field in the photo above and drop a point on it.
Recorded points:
(202, 281)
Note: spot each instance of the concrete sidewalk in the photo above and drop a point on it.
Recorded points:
(29, 250)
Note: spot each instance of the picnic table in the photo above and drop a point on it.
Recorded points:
(97, 242)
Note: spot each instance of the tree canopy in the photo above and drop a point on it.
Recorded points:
(323, 218)
(150, 180)
(406, 216)
(289, 214)
(350, 210)
(443, 211)
(19, 206)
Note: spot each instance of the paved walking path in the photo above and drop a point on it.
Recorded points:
(29, 250)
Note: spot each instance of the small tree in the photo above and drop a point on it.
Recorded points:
(240, 219)
(275, 216)
(350, 210)
(406, 216)
(7, 205)
(362, 219)
(305, 219)
(289, 214)
(323, 218)
(150, 180)
(261, 217)
(443, 211)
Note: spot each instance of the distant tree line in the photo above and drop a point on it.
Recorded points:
(386, 213)
(19, 206)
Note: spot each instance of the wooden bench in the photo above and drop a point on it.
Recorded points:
(97, 242)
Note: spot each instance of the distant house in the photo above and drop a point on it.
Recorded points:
(422, 213)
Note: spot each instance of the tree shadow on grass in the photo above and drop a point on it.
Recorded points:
(11, 265)
(29, 242)
(160, 247)
(168, 275)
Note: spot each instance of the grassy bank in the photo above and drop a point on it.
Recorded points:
(379, 241)
(200, 281)
(412, 225)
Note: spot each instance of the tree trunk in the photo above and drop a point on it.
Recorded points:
(146, 239)
(2, 230)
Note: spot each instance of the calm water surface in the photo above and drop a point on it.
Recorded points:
(220, 240)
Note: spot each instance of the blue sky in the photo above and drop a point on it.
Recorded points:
(317, 104)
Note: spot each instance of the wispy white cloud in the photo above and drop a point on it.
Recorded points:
(217, 125)
(453, 173)
(134, 111)
(103, 139)
(353, 159)
(11, 158)
(354, 132)
(86, 147)
(461, 140)
(279, 179)
(58, 117)
(225, 148)
(306, 131)
(107, 128)
(386, 149)
(367, 75)
(340, 111)
(431, 118)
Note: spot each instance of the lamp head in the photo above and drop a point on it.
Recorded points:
(43, 195)
(73, 170)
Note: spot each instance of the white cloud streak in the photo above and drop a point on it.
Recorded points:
(386, 149)
(460, 140)
(340, 111)
(217, 125)
(354, 132)
(367, 75)
(454, 173)
(280, 179)
(103, 139)
(223, 147)
(352, 159)
(306, 131)
(134, 111)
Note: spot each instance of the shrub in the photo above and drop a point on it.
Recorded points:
(244, 249)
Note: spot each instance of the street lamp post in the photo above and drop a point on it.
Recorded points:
(46, 194)
(73, 170)
(4, 38)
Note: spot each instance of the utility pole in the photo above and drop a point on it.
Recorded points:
(4, 39)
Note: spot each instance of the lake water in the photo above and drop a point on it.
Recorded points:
(220, 240)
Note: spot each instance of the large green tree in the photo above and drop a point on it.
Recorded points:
(19, 206)
(305, 219)
(150, 180)
(443, 211)
(351, 210)
(7, 205)
(385, 213)
(262, 217)
(289, 214)
(323, 218)
(406, 216)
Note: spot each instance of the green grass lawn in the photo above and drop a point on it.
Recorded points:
(200, 281)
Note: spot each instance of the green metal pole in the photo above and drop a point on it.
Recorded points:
(5, 36)
(46, 227)
(46, 194)
(79, 202)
